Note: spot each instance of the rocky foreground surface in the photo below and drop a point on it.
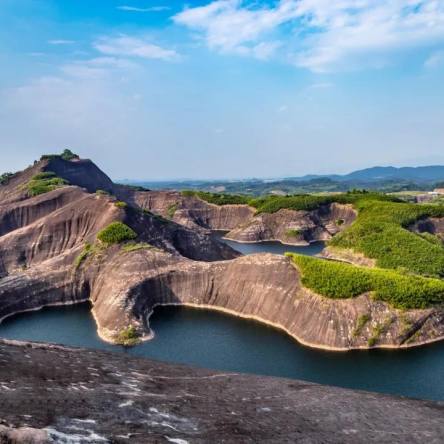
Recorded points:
(57, 394)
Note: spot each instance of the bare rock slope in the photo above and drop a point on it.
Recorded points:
(43, 262)
(97, 397)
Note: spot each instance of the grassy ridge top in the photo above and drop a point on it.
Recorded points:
(381, 232)
(298, 202)
(341, 281)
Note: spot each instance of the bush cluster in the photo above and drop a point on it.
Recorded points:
(115, 233)
(128, 337)
(120, 204)
(65, 155)
(339, 280)
(4, 178)
(216, 198)
(43, 183)
(381, 232)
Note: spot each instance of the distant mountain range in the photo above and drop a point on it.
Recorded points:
(422, 174)
(386, 179)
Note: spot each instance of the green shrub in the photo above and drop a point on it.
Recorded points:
(69, 155)
(172, 210)
(133, 246)
(83, 255)
(362, 321)
(293, 232)
(102, 193)
(116, 233)
(339, 280)
(44, 175)
(43, 183)
(5, 177)
(128, 337)
(120, 204)
(65, 155)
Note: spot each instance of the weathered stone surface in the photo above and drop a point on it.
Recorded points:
(99, 397)
(42, 236)
(295, 227)
(265, 287)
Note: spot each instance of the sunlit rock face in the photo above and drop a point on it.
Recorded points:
(42, 238)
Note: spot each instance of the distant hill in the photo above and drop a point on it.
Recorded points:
(418, 174)
(385, 179)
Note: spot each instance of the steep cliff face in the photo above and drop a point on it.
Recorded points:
(264, 287)
(189, 211)
(295, 227)
(287, 226)
(81, 172)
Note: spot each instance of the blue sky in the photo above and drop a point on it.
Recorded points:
(223, 89)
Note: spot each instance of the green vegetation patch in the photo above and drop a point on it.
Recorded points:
(339, 280)
(87, 249)
(292, 232)
(310, 202)
(65, 155)
(120, 204)
(297, 202)
(380, 232)
(115, 233)
(362, 321)
(218, 199)
(5, 177)
(172, 210)
(128, 337)
(44, 182)
(135, 246)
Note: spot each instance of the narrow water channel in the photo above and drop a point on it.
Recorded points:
(215, 340)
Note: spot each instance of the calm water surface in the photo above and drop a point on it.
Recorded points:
(270, 246)
(216, 340)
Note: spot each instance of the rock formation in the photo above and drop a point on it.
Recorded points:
(49, 255)
(89, 396)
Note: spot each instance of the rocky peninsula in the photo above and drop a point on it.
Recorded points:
(59, 246)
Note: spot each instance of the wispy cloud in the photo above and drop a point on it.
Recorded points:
(148, 9)
(321, 35)
(61, 42)
(126, 46)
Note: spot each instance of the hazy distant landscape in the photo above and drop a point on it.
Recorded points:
(385, 179)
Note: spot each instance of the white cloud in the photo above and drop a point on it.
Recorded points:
(149, 9)
(230, 27)
(435, 59)
(61, 42)
(125, 46)
(322, 35)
